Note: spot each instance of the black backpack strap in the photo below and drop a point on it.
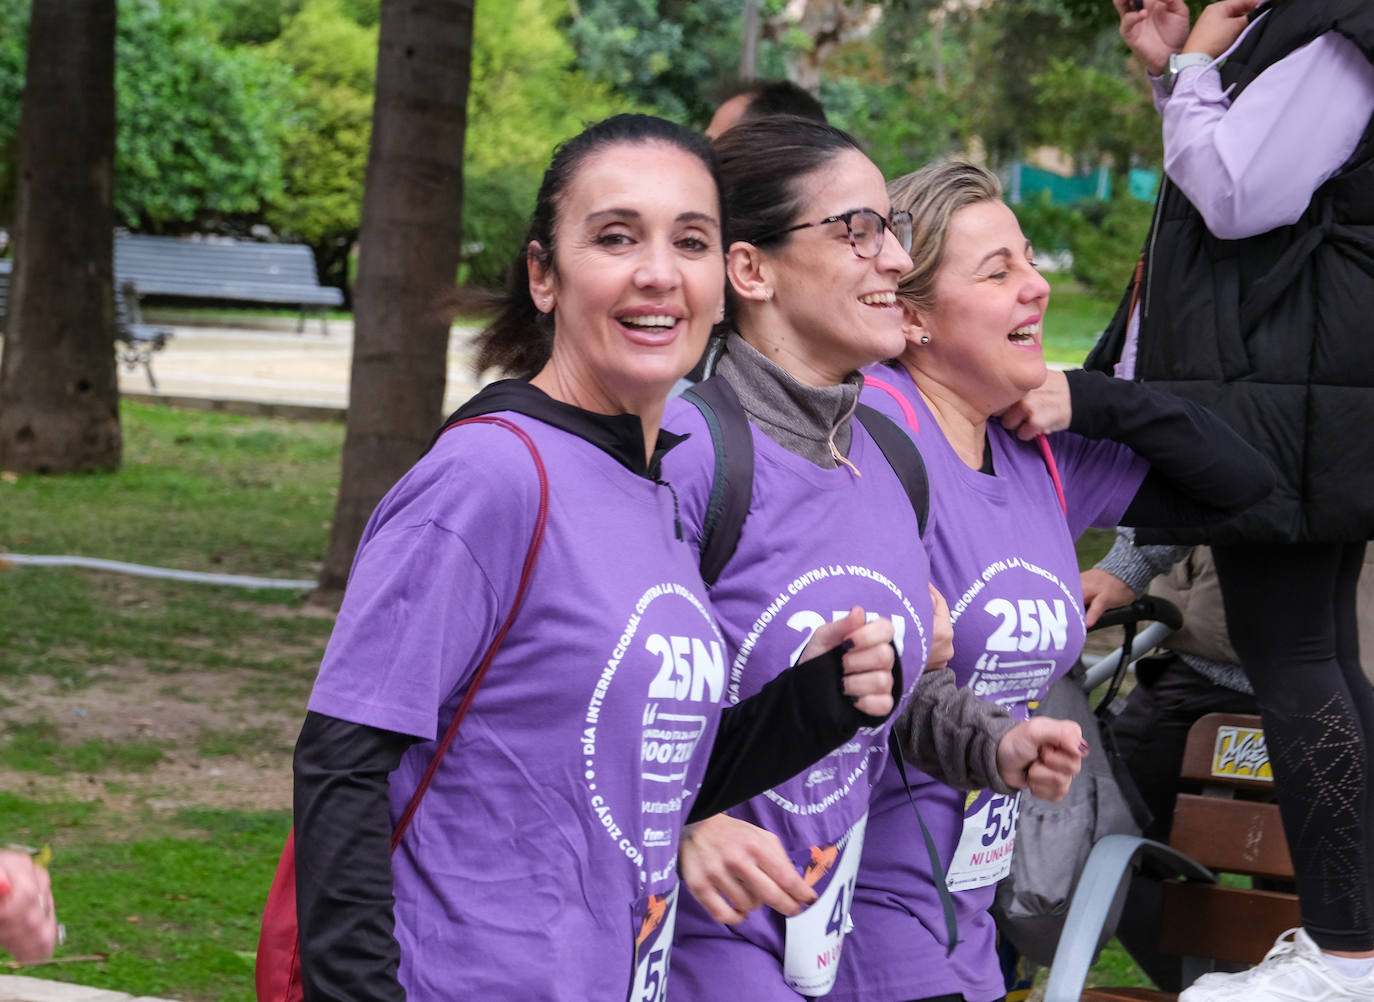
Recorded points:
(937, 869)
(732, 485)
(903, 456)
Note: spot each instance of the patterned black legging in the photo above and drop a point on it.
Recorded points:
(1291, 613)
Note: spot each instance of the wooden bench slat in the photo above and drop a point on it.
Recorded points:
(1229, 749)
(1201, 920)
(1232, 836)
(1126, 995)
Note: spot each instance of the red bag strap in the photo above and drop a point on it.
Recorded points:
(909, 412)
(536, 540)
(1047, 454)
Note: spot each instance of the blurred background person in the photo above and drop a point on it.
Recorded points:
(755, 99)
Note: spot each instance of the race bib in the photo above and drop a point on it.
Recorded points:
(987, 841)
(654, 916)
(811, 958)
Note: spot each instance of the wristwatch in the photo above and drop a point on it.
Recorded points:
(1180, 61)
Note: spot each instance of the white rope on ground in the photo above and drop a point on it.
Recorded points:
(144, 571)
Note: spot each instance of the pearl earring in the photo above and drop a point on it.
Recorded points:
(925, 339)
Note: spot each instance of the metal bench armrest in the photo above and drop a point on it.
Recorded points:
(1109, 863)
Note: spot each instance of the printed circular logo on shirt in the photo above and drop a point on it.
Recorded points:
(1024, 621)
(779, 635)
(661, 683)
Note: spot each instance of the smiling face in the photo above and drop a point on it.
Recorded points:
(637, 277)
(828, 311)
(985, 326)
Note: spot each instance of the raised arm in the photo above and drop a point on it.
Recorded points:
(1201, 471)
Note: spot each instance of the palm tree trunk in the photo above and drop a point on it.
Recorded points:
(408, 258)
(59, 393)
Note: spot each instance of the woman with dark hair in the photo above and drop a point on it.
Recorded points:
(814, 263)
(1007, 502)
(541, 862)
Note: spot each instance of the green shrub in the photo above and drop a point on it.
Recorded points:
(1047, 226)
(1105, 250)
(496, 214)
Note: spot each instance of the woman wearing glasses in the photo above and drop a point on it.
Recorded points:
(1005, 511)
(813, 273)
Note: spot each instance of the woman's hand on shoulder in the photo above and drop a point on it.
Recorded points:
(1042, 755)
(731, 867)
(868, 658)
(941, 632)
(1043, 410)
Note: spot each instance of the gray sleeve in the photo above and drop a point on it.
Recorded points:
(1138, 565)
(952, 735)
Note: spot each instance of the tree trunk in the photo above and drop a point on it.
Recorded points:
(59, 395)
(826, 24)
(408, 258)
(749, 41)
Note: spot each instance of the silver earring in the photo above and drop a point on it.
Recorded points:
(925, 339)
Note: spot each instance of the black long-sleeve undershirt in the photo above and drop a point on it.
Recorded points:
(1201, 471)
(344, 890)
(343, 860)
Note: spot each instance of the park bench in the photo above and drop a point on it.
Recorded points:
(135, 341)
(1230, 826)
(242, 271)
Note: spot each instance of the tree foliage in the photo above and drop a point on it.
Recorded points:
(669, 55)
(14, 27)
(333, 62)
(199, 125)
(1097, 115)
(527, 95)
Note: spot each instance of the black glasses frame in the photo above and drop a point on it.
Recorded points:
(898, 217)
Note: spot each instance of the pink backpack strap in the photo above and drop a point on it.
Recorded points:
(1048, 454)
(908, 411)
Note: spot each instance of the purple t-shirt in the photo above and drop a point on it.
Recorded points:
(545, 848)
(1001, 552)
(816, 543)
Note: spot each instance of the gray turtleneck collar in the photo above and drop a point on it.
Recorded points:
(804, 420)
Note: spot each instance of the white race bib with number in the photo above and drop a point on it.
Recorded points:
(811, 958)
(987, 841)
(655, 917)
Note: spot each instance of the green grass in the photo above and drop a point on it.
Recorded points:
(71, 624)
(37, 747)
(174, 909)
(172, 898)
(1074, 320)
(197, 491)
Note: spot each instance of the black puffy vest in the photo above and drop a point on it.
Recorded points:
(1275, 333)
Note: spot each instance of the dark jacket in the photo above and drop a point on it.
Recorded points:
(1275, 332)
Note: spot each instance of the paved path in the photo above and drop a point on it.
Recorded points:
(242, 368)
(14, 989)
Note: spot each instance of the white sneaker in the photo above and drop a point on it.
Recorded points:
(1293, 971)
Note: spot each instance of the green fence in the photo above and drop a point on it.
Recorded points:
(1024, 181)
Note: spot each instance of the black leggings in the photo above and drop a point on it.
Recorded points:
(1290, 609)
